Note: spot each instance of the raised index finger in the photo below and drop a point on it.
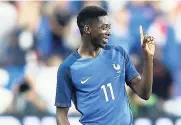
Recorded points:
(141, 33)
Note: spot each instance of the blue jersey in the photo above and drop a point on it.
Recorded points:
(97, 86)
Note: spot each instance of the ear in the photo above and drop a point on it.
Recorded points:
(87, 29)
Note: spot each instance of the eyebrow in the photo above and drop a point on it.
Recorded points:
(107, 24)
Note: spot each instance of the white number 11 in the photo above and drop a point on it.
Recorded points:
(105, 91)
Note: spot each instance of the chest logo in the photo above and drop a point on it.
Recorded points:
(85, 80)
(117, 67)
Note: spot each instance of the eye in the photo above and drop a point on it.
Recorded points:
(105, 27)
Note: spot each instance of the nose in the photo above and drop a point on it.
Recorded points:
(108, 32)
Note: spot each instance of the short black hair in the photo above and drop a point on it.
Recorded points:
(89, 12)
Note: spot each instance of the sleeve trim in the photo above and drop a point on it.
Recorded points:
(62, 105)
(132, 77)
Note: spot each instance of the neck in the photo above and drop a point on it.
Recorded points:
(87, 49)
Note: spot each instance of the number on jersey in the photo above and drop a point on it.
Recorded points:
(105, 91)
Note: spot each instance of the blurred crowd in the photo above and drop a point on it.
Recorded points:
(35, 37)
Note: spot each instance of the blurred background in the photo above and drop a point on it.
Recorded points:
(35, 37)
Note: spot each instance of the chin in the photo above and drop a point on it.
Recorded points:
(102, 45)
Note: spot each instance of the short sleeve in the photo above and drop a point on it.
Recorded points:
(64, 88)
(130, 70)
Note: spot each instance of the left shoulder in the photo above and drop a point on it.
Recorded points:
(116, 48)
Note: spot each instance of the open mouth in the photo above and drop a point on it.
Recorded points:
(105, 38)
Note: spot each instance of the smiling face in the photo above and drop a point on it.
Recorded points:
(100, 31)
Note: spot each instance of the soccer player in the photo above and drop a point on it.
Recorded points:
(94, 76)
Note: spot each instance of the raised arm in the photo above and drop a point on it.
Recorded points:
(142, 86)
(61, 116)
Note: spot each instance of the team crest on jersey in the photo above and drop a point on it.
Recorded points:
(117, 67)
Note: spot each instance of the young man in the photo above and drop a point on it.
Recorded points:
(94, 76)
